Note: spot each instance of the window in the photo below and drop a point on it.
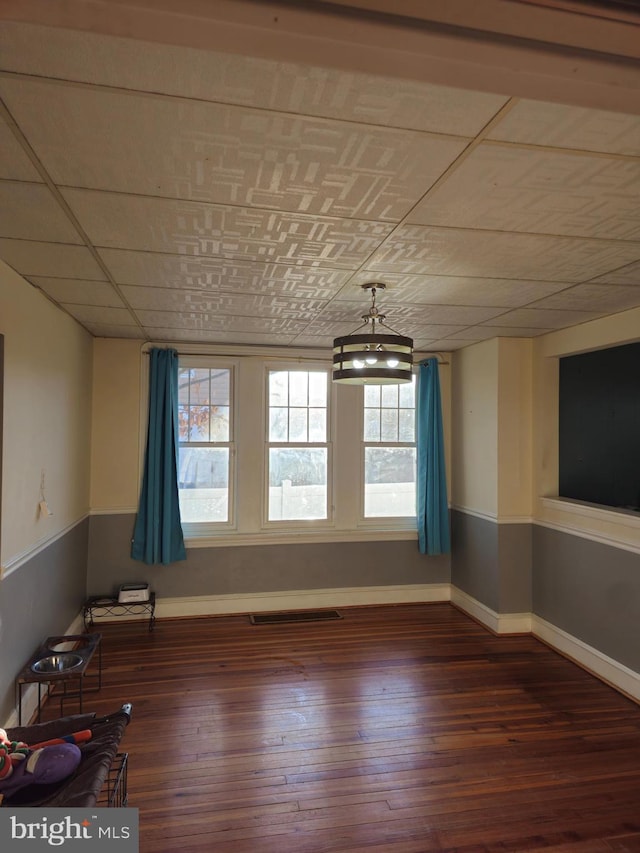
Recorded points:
(272, 450)
(298, 451)
(389, 450)
(205, 416)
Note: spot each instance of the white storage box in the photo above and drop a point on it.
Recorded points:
(131, 592)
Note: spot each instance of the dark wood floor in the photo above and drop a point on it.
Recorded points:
(404, 729)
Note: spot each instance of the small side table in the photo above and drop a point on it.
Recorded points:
(83, 645)
(105, 605)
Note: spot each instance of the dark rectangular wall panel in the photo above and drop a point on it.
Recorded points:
(599, 427)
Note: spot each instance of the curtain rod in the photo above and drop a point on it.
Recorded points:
(264, 351)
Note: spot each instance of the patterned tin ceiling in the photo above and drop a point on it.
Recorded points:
(170, 193)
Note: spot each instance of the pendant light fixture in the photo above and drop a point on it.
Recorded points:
(374, 358)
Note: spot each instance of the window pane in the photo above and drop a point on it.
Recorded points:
(199, 386)
(297, 483)
(278, 388)
(204, 418)
(317, 425)
(390, 396)
(184, 378)
(389, 425)
(406, 431)
(199, 423)
(318, 389)
(298, 425)
(183, 422)
(278, 424)
(203, 482)
(372, 395)
(390, 482)
(220, 387)
(298, 388)
(372, 424)
(220, 423)
(408, 394)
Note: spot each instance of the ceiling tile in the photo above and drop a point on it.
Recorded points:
(251, 81)
(106, 330)
(454, 290)
(562, 126)
(540, 318)
(218, 336)
(331, 328)
(14, 163)
(78, 292)
(30, 212)
(398, 314)
(246, 305)
(519, 189)
(312, 341)
(100, 314)
(447, 344)
(424, 335)
(194, 228)
(484, 333)
(464, 252)
(30, 257)
(218, 322)
(320, 333)
(148, 269)
(225, 154)
(629, 274)
(604, 298)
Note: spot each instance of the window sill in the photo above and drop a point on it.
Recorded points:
(609, 525)
(297, 537)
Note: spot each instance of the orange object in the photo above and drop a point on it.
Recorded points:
(76, 737)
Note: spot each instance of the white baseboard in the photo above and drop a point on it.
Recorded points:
(499, 623)
(606, 668)
(306, 599)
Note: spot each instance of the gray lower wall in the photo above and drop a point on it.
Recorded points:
(515, 550)
(254, 568)
(39, 600)
(586, 588)
(590, 590)
(492, 562)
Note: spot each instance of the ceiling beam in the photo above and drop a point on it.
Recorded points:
(513, 47)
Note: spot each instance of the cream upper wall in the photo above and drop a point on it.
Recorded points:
(492, 433)
(474, 428)
(115, 444)
(47, 418)
(515, 384)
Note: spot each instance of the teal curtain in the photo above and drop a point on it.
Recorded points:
(433, 510)
(157, 536)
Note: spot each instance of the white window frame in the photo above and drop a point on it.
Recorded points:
(395, 522)
(206, 529)
(248, 480)
(297, 524)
